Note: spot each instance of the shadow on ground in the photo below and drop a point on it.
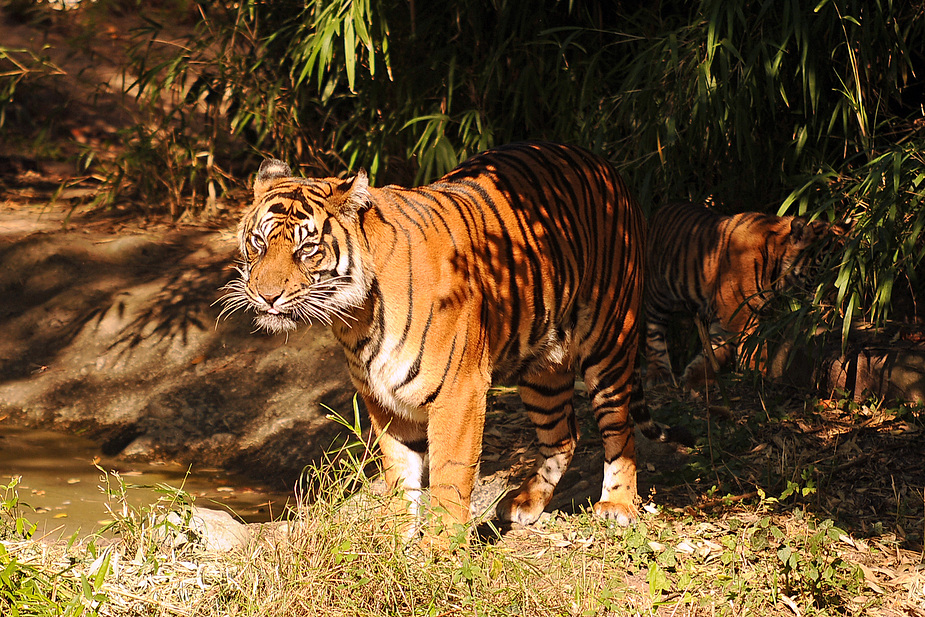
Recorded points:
(114, 334)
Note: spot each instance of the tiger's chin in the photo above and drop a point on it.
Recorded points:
(275, 324)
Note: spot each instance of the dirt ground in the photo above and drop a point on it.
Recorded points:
(110, 331)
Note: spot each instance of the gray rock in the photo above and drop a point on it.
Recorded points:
(218, 530)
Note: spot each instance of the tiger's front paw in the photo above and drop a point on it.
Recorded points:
(698, 376)
(624, 514)
(520, 507)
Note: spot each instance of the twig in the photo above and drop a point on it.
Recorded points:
(173, 608)
(720, 501)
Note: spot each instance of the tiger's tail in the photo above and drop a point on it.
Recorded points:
(654, 431)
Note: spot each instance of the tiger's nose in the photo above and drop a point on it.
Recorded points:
(271, 300)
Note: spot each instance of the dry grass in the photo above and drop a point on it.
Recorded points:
(769, 547)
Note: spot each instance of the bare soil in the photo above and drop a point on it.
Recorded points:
(110, 331)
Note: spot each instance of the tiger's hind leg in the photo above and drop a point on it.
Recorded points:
(607, 360)
(547, 398)
(610, 400)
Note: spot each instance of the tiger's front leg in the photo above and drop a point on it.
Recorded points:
(455, 428)
(700, 372)
(403, 445)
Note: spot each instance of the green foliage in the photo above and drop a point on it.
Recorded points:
(146, 530)
(882, 194)
(12, 523)
(810, 564)
(683, 97)
(21, 68)
(760, 105)
(29, 587)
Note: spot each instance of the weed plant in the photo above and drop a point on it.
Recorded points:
(19, 69)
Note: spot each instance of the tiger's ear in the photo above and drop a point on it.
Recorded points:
(800, 230)
(796, 228)
(352, 196)
(270, 171)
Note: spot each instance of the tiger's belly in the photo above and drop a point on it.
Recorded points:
(395, 378)
(553, 352)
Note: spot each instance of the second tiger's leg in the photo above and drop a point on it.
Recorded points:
(701, 371)
(658, 369)
(547, 398)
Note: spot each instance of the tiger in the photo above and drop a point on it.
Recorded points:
(723, 270)
(522, 266)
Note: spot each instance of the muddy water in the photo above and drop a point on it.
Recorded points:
(60, 487)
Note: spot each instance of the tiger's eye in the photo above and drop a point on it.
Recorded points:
(307, 251)
(257, 243)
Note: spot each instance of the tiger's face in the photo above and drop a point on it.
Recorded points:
(301, 253)
(798, 257)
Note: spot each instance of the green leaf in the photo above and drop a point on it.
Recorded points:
(657, 580)
(350, 54)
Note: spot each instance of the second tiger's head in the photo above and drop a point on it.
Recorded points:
(301, 253)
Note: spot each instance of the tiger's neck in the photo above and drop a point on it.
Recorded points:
(360, 322)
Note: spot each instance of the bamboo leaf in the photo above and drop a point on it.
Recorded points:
(847, 319)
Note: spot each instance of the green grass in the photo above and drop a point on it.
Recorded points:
(340, 560)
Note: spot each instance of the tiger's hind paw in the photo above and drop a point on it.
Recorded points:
(520, 507)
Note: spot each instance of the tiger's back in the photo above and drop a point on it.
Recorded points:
(502, 243)
(522, 265)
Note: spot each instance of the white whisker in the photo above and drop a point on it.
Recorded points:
(321, 302)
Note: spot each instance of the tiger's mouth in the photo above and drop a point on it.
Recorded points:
(275, 322)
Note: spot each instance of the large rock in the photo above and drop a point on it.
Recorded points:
(883, 363)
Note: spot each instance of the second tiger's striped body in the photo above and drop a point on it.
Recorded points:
(723, 269)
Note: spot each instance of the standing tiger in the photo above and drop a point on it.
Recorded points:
(522, 265)
(721, 269)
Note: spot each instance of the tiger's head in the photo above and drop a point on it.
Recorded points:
(301, 250)
(805, 247)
